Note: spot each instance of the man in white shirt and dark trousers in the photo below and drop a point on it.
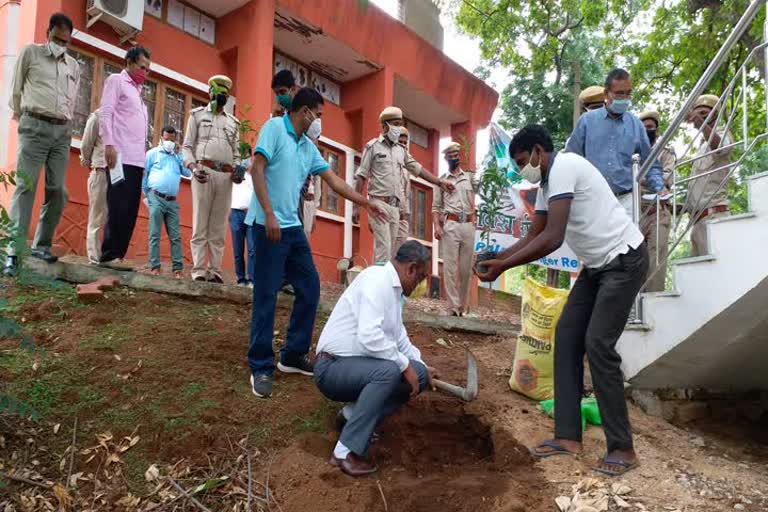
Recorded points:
(242, 233)
(364, 355)
(575, 204)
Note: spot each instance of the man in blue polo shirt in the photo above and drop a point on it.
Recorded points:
(610, 135)
(283, 158)
(162, 174)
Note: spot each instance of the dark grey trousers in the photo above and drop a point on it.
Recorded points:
(375, 385)
(592, 322)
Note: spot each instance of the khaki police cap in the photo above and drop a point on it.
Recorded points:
(452, 147)
(650, 114)
(706, 100)
(390, 114)
(592, 94)
(221, 81)
(404, 131)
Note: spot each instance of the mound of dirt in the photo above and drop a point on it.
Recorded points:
(433, 456)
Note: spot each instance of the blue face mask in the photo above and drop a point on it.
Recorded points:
(619, 106)
(284, 100)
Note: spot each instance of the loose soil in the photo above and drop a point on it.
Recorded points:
(173, 372)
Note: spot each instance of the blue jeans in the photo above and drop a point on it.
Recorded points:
(164, 212)
(241, 233)
(290, 257)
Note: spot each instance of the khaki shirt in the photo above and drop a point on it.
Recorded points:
(667, 159)
(211, 136)
(91, 145)
(703, 192)
(382, 165)
(43, 84)
(405, 204)
(458, 201)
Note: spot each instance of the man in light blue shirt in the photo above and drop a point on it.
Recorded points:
(610, 135)
(283, 158)
(162, 174)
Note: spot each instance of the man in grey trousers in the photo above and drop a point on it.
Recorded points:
(43, 96)
(364, 356)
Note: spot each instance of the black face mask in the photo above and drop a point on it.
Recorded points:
(220, 99)
(651, 136)
(453, 163)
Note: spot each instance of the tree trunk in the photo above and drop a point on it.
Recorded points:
(576, 92)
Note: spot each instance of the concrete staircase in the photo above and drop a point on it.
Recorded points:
(712, 331)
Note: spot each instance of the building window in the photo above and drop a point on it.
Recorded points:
(419, 214)
(329, 200)
(84, 93)
(158, 97)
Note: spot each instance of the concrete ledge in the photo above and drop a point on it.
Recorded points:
(83, 273)
(694, 259)
(732, 218)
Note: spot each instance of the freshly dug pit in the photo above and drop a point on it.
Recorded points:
(432, 456)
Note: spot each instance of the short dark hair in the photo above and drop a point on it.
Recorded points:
(306, 97)
(413, 252)
(283, 78)
(615, 74)
(525, 139)
(169, 129)
(135, 53)
(60, 19)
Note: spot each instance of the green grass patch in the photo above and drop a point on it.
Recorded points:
(316, 420)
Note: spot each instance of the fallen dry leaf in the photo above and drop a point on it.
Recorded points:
(621, 489)
(56, 428)
(63, 497)
(563, 503)
(152, 473)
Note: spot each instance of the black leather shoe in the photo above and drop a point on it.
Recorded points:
(216, 279)
(11, 266)
(45, 255)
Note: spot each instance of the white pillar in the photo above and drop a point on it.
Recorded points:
(8, 55)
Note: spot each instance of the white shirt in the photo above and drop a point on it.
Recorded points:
(599, 228)
(367, 321)
(242, 192)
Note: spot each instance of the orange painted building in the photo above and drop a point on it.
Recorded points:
(359, 57)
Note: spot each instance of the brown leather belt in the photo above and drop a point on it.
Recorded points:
(47, 119)
(709, 211)
(163, 196)
(325, 356)
(216, 166)
(470, 217)
(390, 200)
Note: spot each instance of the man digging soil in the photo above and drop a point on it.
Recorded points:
(575, 204)
(364, 355)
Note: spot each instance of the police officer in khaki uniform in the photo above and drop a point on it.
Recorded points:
(382, 164)
(404, 228)
(656, 219)
(707, 199)
(453, 215)
(211, 152)
(592, 98)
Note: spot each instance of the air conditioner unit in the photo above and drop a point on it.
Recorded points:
(125, 16)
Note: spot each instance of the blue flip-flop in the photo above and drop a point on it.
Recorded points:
(557, 449)
(623, 464)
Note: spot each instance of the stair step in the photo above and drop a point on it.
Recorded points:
(637, 326)
(731, 218)
(694, 259)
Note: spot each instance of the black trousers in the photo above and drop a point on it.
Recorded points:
(592, 322)
(123, 202)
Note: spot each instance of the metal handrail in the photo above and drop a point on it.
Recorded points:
(742, 25)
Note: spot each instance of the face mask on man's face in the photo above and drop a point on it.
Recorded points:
(284, 100)
(221, 99)
(619, 106)
(315, 128)
(169, 146)
(651, 135)
(56, 48)
(453, 163)
(530, 173)
(393, 134)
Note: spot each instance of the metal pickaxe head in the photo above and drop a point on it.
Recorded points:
(467, 393)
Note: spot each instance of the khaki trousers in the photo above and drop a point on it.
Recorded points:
(41, 144)
(308, 220)
(211, 203)
(656, 239)
(699, 242)
(458, 248)
(97, 213)
(384, 234)
(403, 230)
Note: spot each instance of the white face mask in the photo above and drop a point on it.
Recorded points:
(394, 133)
(56, 49)
(168, 146)
(315, 129)
(530, 173)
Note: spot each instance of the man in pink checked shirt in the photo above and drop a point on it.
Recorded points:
(123, 129)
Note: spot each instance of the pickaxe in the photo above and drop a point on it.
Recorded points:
(468, 393)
